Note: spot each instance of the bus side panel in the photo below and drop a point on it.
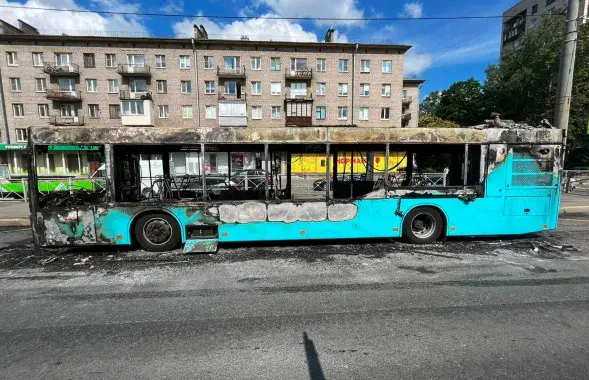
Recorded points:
(68, 227)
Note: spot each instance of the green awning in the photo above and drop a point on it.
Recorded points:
(52, 147)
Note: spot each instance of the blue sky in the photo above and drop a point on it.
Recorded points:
(444, 51)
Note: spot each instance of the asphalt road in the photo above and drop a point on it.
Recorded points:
(492, 309)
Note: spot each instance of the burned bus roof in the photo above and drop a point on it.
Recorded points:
(294, 135)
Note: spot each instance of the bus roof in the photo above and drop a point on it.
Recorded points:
(291, 135)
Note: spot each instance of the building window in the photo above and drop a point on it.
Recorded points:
(364, 65)
(93, 111)
(298, 64)
(185, 87)
(209, 62)
(15, 85)
(256, 88)
(66, 84)
(321, 64)
(534, 9)
(256, 112)
(275, 112)
(342, 113)
(211, 112)
(67, 110)
(91, 85)
(18, 110)
(232, 63)
(161, 86)
(37, 59)
(387, 67)
(342, 89)
(114, 111)
(342, 65)
(111, 60)
(184, 61)
(40, 84)
(43, 110)
(404, 94)
(321, 88)
(113, 86)
(21, 135)
(549, 2)
(275, 64)
(63, 59)
(89, 60)
(256, 63)
(138, 85)
(363, 114)
(187, 112)
(209, 86)
(364, 89)
(160, 61)
(136, 60)
(320, 112)
(12, 58)
(275, 88)
(231, 88)
(133, 107)
(385, 113)
(164, 112)
(386, 90)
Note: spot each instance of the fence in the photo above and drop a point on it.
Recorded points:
(18, 188)
(576, 182)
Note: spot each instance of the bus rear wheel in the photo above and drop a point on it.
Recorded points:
(157, 232)
(422, 225)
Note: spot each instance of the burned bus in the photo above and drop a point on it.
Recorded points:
(163, 188)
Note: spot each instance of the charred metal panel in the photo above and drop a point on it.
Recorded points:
(235, 135)
(70, 227)
(339, 212)
(243, 213)
(113, 225)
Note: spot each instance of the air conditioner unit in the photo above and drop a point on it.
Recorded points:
(75, 119)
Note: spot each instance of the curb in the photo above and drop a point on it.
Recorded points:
(15, 222)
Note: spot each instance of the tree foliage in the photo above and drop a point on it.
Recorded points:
(462, 103)
(429, 106)
(436, 122)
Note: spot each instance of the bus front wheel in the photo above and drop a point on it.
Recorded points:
(157, 232)
(422, 225)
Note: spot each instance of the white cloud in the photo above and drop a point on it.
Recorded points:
(413, 9)
(315, 8)
(70, 22)
(255, 29)
(417, 63)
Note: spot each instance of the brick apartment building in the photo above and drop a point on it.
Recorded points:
(126, 82)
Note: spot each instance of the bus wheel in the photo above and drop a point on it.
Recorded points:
(422, 225)
(157, 232)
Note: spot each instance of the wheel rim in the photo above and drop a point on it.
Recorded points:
(423, 226)
(157, 231)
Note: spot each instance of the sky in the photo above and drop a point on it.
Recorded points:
(443, 51)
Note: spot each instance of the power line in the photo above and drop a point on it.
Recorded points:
(471, 17)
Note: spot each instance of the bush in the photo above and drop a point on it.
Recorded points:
(436, 122)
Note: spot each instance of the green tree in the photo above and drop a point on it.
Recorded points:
(462, 103)
(435, 122)
(429, 106)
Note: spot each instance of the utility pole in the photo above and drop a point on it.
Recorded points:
(567, 67)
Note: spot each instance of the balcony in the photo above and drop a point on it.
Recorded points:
(407, 99)
(64, 70)
(298, 95)
(228, 97)
(136, 70)
(134, 95)
(299, 121)
(406, 116)
(227, 72)
(304, 73)
(60, 120)
(64, 96)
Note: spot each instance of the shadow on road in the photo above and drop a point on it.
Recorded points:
(315, 371)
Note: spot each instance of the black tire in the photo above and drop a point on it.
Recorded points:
(157, 232)
(422, 225)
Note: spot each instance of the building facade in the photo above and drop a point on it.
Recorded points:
(126, 82)
(527, 14)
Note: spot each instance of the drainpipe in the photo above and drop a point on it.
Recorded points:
(3, 112)
(353, 80)
(197, 85)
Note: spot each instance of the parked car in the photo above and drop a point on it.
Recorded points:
(320, 184)
(255, 177)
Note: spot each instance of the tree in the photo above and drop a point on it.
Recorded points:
(435, 122)
(430, 104)
(462, 103)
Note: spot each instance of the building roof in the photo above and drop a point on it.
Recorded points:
(90, 39)
(413, 81)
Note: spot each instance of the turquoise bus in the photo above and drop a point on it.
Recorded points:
(164, 188)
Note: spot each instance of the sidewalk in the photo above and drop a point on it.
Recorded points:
(16, 213)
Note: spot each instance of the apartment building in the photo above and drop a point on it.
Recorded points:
(126, 82)
(526, 15)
